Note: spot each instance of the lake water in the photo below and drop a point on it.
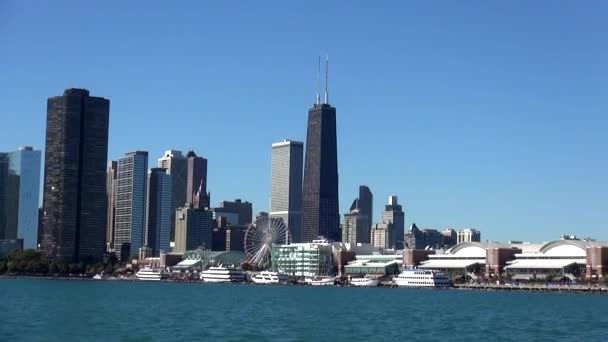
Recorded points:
(60, 310)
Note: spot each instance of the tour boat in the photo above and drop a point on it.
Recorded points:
(321, 281)
(223, 274)
(422, 278)
(148, 273)
(365, 281)
(267, 277)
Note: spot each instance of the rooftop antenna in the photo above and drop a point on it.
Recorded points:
(318, 99)
(326, 77)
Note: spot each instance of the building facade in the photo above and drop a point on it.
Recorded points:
(193, 229)
(303, 259)
(131, 198)
(23, 193)
(244, 210)
(177, 166)
(196, 181)
(469, 235)
(380, 235)
(4, 161)
(74, 201)
(286, 188)
(320, 203)
(160, 192)
(393, 213)
(111, 200)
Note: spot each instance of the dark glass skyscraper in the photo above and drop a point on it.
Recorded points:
(196, 180)
(74, 203)
(320, 209)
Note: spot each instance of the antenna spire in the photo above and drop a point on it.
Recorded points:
(318, 99)
(326, 78)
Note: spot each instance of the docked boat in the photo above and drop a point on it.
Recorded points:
(223, 274)
(148, 273)
(97, 277)
(320, 281)
(267, 277)
(365, 281)
(422, 278)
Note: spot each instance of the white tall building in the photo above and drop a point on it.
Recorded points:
(286, 192)
(469, 235)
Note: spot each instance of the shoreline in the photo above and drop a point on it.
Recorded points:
(574, 289)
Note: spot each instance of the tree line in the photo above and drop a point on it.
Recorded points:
(33, 263)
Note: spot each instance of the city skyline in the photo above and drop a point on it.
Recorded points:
(462, 142)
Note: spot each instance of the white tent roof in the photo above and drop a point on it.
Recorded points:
(543, 263)
(450, 263)
(187, 263)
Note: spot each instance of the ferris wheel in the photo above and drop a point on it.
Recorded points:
(261, 235)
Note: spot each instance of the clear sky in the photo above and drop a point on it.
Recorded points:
(483, 114)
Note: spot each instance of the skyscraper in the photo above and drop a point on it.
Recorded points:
(111, 195)
(176, 165)
(196, 180)
(159, 211)
(193, 229)
(365, 204)
(469, 235)
(74, 203)
(23, 195)
(131, 191)
(320, 207)
(393, 213)
(4, 161)
(286, 189)
(355, 227)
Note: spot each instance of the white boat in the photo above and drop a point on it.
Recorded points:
(222, 274)
(148, 273)
(365, 281)
(267, 277)
(320, 281)
(422, 278)
(97, 276)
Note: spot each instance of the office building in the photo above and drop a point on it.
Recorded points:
(303, 259)
(243, 210)
(131, 192)
(393, 213)
(74, 201)
(320, 205)
(286, 188)
(380, 235)
(4, 161)
(111, 201)
(196, 180)
(160, 192)
(193, 229)
(23, 196)
(449, 237)
(356, 224)
(177, 166)
(469, 235)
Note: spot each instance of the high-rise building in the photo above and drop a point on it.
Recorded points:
(160, 198)
(196, 180)
(469, 235)
(111, 200)
(74, 201)
(355, 227)
(393, 213)
(4, 161)
(358, 222)
(380, 235)
(177, 166)
(131, 191)
(243, 210)
(286, 188)
(320, 206)
(193, 229)
(23, 195)
(449, 238)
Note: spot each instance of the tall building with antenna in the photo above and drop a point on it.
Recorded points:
(320, 208)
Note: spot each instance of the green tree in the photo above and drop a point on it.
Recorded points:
(3, 267)
(53, 268)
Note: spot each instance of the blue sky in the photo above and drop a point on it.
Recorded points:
(484, 114)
